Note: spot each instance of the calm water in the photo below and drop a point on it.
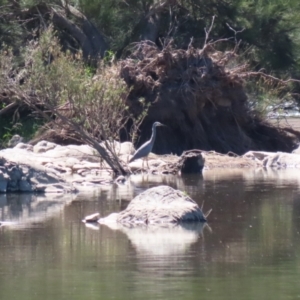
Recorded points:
(250, 250)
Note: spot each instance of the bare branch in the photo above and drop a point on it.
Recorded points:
(235, 32)
(276, 79)
(207, 32)
(8, 108)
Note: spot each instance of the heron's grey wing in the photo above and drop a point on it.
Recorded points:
(143, 151)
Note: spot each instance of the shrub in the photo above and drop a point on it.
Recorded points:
(88, 102)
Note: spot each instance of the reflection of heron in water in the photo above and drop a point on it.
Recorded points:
(146, 148)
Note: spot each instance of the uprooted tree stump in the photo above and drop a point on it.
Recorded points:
(191, 162)
(201, 100)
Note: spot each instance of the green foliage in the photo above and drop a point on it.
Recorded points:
(271, 27)
(115, 18)
(138, 120)
(25, 127)
(270, 37)
(61, 83)
(10, 32)
(270, 33)
(109, 57)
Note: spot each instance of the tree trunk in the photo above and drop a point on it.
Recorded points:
(91, 41)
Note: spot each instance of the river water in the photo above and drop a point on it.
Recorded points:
(250, 248)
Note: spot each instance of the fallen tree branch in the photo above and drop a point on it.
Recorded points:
(8, 108)
(207, 32)
(113, 162)
(95, 38)
(276, 79)
(75, 31)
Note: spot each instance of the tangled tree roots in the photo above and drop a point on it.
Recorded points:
(203, 103)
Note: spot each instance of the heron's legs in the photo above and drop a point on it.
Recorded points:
(145, 158)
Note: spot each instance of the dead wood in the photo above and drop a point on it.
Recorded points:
(81, 135)
(199, 94)
(63, 23)
(194, 161)
(70, 24)
(8, 108)
(91, 40)
(147, 28)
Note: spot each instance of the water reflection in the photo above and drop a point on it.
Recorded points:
(160, 239)
(24, 210)
(250, 251)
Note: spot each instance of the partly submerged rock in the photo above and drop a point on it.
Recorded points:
(158, 205)
(51, 168)
(91, 218)
(21, 178)
(110, 219)
(120, 180)
(278, 160)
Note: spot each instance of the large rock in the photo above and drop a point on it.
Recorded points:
(297, 150)
(15, 140)
(52, 168)
(278, 160)
(158, 205)
(43, 146)
(21, 178)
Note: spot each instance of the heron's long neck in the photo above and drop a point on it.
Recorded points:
(153, 136)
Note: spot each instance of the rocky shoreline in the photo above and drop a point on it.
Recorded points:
(51, 168)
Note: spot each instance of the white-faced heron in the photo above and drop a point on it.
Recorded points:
(146, 148)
